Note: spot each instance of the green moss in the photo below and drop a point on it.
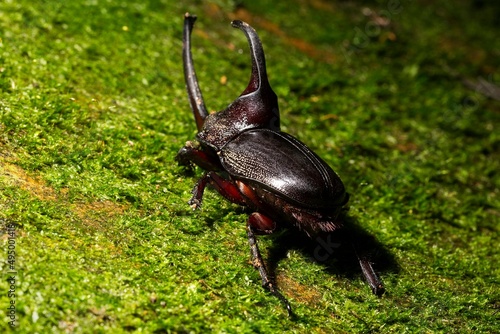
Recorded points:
(93, 110)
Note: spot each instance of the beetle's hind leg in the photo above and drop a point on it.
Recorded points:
(370, 275)
(258, 263)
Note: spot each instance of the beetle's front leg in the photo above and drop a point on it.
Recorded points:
(223, 186)
(258, 263)
(191, 153)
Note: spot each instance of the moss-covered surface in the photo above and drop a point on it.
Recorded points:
(397, 98)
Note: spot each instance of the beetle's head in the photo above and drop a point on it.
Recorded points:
(256, 107)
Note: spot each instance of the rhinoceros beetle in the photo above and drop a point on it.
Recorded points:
(250, 162)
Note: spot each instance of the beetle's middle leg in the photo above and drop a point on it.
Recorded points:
(258, 263)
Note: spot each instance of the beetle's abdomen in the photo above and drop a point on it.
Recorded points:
(284, 165)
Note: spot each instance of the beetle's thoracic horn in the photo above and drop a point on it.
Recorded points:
(258, 98)
(259, 74)
(193, 89)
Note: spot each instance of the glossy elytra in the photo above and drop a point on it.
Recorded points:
(250, 162)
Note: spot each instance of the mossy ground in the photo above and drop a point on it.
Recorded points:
(93, 110)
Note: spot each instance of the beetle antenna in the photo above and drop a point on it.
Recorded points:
(193, 89)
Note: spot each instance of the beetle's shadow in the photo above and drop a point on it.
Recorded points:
(337, 252)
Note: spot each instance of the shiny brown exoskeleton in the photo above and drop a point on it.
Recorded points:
(250, 162)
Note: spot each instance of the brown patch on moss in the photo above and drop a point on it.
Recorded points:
(94, 215)
(300, 44)
(407, 147)
(402, 143)
(15, 175)
(305, 294)
(215, 12)
(322, 5)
